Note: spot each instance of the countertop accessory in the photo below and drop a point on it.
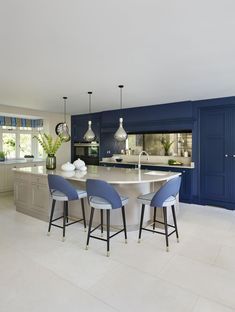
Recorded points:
(61, 128)
(68, 167)
(120, 135)
(119, 159)
(50, 146)
(28, 157)
(80, 165)
(2, 156)
(173, 162)
(89, 135)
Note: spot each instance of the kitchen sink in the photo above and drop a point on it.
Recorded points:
(159, 173)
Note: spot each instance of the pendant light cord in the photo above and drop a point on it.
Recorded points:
(121, 86)
(65, 98)
(90, 93)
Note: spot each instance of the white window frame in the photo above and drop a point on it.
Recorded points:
(18, 131)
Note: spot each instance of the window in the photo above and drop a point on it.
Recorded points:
(25, 144)
(17, 142)
(9, 144)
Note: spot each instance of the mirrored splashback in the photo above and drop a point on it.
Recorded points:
(162, 144)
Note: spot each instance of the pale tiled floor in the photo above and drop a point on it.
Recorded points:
(41, 273)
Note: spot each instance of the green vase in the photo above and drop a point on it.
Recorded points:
(51, 162)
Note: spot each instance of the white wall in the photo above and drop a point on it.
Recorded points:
(50, 121)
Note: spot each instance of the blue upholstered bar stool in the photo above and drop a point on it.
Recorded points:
(102, 196)
(63, 191)
(163, 198)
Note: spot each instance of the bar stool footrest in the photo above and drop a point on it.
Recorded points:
(67, 224)
(154, 231)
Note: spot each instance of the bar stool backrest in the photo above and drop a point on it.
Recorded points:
(170, 188)
(58, 183)
(103, 190)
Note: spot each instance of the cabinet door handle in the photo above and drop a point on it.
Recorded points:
(226, 155)
(233, 156)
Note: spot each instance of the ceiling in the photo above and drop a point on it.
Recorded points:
(161, 50)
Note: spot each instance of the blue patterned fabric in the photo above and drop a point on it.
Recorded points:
(20, 122)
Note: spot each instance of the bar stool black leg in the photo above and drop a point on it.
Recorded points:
(108, 232)
(89, 228)
(141, 221)
(51, 216)
(83, 213)
(67, 213)
(154, 217)
(124, 223)
(166, 227)
(175, 223)
(101, 221)
(64, 218)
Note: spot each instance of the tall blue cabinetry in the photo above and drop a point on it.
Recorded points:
(217, 156)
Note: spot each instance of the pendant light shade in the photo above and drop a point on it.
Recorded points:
(89, 135)
(120, 135)
(61, 128)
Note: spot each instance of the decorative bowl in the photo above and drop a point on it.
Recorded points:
(68, 167)
(119, 159)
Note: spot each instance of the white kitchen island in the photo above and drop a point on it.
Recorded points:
(32, 196)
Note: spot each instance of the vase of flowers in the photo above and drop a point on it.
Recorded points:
(50, 146)
(166, 144)
(2, 156)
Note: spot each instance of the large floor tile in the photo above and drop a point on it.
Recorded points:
(130, 290)
(28, 287)
(202, 279)
(226, 258)
(198, 249)
(77, 265)
(205, 305)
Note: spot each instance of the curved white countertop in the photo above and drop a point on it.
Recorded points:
(108, 174)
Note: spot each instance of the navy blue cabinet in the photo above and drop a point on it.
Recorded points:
(217, 156)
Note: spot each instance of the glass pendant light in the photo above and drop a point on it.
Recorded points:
(120, 135)
(62, 129)
(89, 135)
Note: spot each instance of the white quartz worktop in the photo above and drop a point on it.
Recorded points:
(20, 161)
(109, 174)
(111, 161)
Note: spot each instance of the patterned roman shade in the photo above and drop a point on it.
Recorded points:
(20, 122)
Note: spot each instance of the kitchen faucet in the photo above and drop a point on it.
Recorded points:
(142, 153)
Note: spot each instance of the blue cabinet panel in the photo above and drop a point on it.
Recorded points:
(216, 159)
(109, 146)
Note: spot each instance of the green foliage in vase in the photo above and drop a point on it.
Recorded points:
(49, 144)
(166, 143)
(2, 155)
